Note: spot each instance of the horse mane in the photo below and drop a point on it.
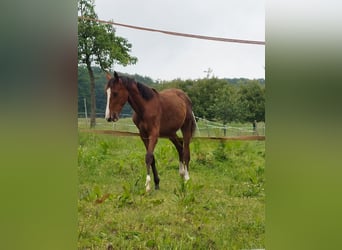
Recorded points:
(146, 92)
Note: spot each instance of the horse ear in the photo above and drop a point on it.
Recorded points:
(116, 76)
(108, 76)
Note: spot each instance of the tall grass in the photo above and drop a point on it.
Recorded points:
(220, 207)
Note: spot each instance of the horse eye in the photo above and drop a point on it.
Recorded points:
(114, 94)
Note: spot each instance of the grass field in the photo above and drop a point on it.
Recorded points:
(222, 206)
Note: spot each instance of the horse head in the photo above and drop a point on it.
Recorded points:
(117, 96)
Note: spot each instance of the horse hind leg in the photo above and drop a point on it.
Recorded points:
(185, 159)
(187, 134)
(186, 156)
(178, 142)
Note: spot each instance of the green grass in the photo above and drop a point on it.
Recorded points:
(222, 206)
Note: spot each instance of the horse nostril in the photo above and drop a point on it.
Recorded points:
(109, 119)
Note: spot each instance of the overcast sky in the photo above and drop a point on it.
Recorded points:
(165, 57)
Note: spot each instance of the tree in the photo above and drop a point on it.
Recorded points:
(251, 102)
(225, 105)
(98, 44)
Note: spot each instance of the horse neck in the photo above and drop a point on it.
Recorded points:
(135, 99)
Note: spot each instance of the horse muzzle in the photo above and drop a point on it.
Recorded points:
(113, 118)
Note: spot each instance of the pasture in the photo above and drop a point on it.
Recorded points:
(222, 206)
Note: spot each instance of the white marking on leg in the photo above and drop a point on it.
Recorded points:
(107, 106)
(186, 174)
(147, 184)
(181, 169)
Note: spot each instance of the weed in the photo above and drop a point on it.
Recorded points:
(219, 152)
(184, 193)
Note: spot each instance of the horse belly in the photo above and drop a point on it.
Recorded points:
(169, 128)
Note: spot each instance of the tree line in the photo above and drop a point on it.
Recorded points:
(222, 100)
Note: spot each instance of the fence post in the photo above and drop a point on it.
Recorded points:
(85, 111)
(207, 123)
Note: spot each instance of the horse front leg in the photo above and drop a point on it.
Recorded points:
(150, 144)
(155, 174)
(150, 162)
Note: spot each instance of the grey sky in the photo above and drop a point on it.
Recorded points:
(168, 57)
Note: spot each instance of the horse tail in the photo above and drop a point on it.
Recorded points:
(193, 124)
(190, 117)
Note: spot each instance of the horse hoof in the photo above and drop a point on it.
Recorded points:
(186, 177)
(156, 187)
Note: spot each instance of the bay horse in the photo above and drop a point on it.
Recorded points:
(156, 114)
